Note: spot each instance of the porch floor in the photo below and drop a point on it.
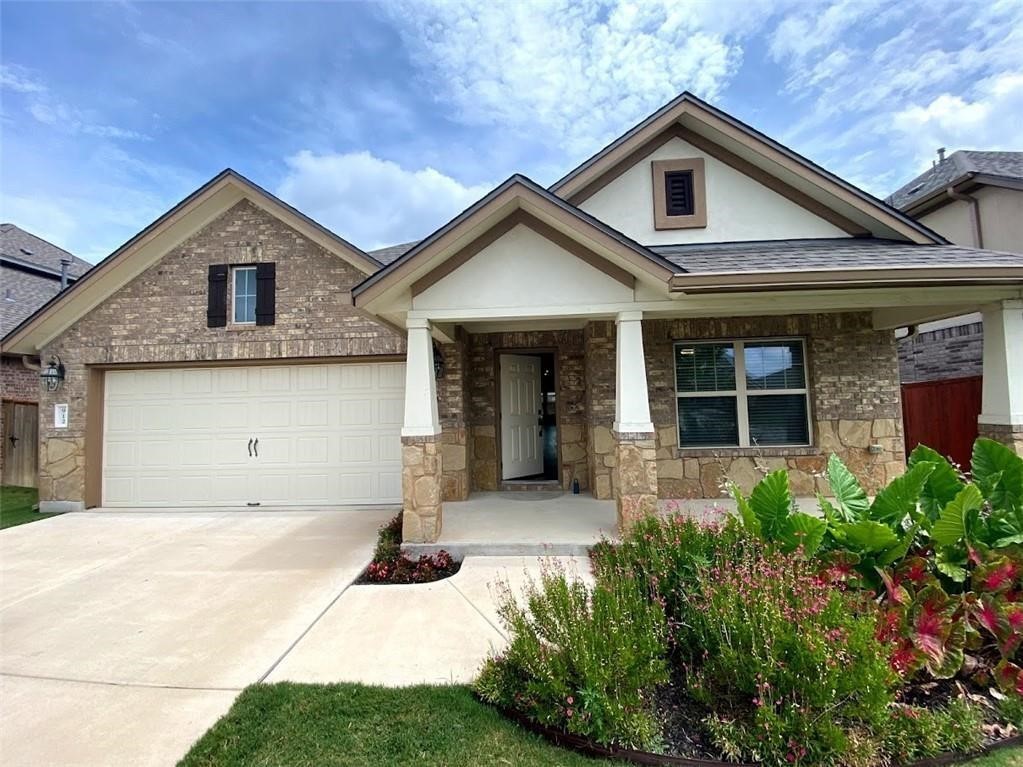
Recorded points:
(521, 523)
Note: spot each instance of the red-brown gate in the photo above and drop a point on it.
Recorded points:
(942, 415)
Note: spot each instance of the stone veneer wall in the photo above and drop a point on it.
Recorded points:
(1004, 433)
(160, 316)
(855, 402)
(422, 479)
(570, 379)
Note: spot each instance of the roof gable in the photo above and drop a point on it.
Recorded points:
(517, 200)
(981, 167)
(186, 218)
(755, 153)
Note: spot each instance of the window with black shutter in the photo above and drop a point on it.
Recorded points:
(216, 296)
(266, 293)
(678, 193)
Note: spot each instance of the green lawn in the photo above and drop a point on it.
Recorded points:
(16, 506)
(302, 725)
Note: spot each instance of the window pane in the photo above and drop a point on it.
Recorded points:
(774, 365)
(778, 419)
(244, 295)
(705, 367)
(707, 421)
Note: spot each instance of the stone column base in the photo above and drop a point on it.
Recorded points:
(421, 489)
(635, 475)
(1007, 434)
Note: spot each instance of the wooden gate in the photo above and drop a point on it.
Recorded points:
(21, 444)
(943, 416)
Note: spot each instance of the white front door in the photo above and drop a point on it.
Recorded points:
(521, 441)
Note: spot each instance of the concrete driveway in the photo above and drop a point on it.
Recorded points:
(124, 636)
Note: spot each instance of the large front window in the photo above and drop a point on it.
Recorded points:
(741, 393)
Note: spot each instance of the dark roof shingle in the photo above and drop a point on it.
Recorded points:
(393, 252)
(24, 246)
(840, 253)
(954, 167)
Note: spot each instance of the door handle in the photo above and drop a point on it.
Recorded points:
(250, 447)
(14, 441)
(255, 447)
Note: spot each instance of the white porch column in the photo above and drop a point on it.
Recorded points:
(421, 469)
(632, 403)
(1001, 415)
(635, 471)
(421, 419)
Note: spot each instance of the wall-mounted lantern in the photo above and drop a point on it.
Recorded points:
(53, 374)
(438, 362)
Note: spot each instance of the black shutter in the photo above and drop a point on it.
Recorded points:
(678, 193)
(216, 305)
(266, 290)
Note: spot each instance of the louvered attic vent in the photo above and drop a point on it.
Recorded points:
(678, 192)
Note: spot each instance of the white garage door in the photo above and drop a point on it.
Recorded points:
(283, 435)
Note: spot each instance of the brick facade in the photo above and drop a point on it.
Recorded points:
(955, 352)
(160, 316)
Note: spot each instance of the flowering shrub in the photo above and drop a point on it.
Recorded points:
(390, 565)
(584, 660)
(785, 660)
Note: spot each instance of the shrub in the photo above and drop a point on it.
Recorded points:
(390, 565)
(584, 660)
(912, 733)
(787, 662)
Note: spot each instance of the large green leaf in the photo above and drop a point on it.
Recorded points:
(951, 525)
(951, 562)
(942, 485)
(771, 502)
(749, 519)
(852, 501)
(899, 498)
(998, 472)
(803, 530)
(899, 550)
(869, 536)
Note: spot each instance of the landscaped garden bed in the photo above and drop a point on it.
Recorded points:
(390, 565)
(880, 632)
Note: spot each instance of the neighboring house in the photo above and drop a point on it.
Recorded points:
(708, 302)
(32, 272)
(974, 199)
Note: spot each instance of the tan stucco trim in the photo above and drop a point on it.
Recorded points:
(503, 205)
(583, 183)
(721, 282)
(95, 393)
(634, 157)
(698, 219)
(152, 243)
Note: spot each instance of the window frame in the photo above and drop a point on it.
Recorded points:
(741, 392)
(234, 270)
(698, 219)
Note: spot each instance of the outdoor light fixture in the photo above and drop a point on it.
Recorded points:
(438, 362)
(53, 375)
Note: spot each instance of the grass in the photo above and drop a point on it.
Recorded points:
(16, 506)
(304, 725)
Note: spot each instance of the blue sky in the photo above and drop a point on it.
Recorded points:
(113, 112)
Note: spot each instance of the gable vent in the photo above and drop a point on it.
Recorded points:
(678, 192)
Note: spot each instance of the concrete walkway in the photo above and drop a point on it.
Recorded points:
(125, 635)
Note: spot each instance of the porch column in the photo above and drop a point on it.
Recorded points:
(1001, 413)
(635, 474)
(420, 438)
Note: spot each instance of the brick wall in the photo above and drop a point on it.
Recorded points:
(160, 316)
(954, 352)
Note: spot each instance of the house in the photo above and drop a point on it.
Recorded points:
(974, 199)
(32, 271)
(693, 301)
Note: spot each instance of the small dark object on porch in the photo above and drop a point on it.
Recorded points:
(391, 566)
(575, 486)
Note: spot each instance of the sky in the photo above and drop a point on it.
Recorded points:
(382, 121)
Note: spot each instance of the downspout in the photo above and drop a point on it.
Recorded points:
(974, 203)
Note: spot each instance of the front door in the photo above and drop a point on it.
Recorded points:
(521, 417)
(20, 445)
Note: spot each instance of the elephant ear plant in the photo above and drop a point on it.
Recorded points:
(942, 550)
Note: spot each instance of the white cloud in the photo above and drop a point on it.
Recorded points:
(19, 80)
(63, 117)
(577, 73)
(373, 202)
